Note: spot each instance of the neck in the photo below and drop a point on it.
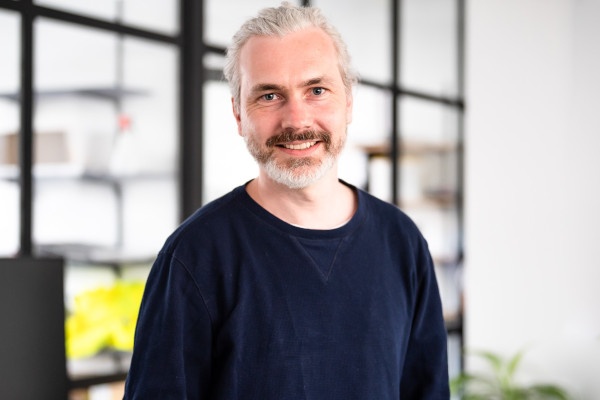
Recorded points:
(326, 204)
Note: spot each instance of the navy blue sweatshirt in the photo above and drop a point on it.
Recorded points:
(241, 305)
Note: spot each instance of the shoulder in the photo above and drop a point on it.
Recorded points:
(385, 214)
(212, 220)
(390, 228)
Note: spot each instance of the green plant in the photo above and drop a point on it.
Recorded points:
(501, 384)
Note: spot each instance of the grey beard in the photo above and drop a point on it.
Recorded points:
(288, 176)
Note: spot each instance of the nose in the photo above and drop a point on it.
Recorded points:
(296, 114)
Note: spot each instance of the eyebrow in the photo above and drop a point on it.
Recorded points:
(265, 87)
(269, 87)
(314, 81)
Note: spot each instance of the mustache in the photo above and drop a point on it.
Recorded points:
(291, 135)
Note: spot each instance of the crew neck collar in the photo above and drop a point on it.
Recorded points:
(295, 230)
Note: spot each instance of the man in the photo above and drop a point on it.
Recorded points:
(295, 285)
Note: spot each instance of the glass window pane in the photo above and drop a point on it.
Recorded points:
(61, 65)
(98, 9)
(106, 128)
(371, 115)
(427, 121)
(158, 15)
(227, 163)
(370, 129)
(429, 171)
(366, 28)
(223, 18)
(9, 128)
(429, 163)
(428, 46)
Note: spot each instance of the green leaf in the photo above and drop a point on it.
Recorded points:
(494, 360)
(500, 385)
(478, 397)
(513, 364)
(548, 392)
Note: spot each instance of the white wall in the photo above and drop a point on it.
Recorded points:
(533, 187)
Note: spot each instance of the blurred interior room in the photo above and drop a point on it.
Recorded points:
(479, 119)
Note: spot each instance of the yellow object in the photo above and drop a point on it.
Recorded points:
(103, 318)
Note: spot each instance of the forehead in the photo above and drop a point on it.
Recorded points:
(296, 56)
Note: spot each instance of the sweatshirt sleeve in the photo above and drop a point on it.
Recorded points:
(172, 350)
(425, 371)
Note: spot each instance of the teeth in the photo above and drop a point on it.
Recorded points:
(300, 146)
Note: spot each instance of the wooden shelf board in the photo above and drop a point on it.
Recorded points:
(409, 147)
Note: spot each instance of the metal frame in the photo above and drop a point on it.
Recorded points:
(26, 138)
(190, 58)
(192, 78)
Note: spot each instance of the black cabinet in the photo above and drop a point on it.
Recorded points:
(32, 339)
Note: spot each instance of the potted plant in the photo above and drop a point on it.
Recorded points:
(501, 384)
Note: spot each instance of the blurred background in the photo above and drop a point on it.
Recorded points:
(478, 118)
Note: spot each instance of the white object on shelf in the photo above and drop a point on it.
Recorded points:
(124, 159)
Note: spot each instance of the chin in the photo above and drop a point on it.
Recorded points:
(298, 178)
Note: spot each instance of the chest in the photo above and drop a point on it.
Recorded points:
(289, 292)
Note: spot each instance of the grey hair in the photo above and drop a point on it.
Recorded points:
(278, 22)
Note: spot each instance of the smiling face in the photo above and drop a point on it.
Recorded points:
(294, 107)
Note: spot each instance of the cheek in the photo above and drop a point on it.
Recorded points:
(246, 124)
(260, 124)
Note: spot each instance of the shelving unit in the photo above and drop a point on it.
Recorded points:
(72, 173)
(108, 366)
(442, 196)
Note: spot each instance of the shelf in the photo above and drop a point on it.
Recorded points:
(95, 255)
(441, 198)
(106, 367)
(415, 157)
(10, 172)
(446, 261)
(125, 177)
(84, 382)
(409, 147)
(454, 325)
(108, 92)
(62, 171)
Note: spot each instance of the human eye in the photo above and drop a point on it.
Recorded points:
(318, 91)
(269, 97)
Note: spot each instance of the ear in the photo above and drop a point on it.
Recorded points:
(236, 115)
